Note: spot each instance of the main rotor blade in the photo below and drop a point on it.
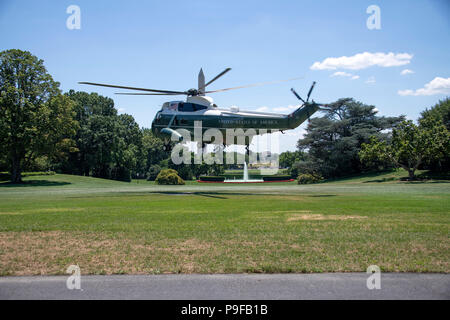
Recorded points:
(296, 94)
(147, 94)
(132, 88)
(218, 76)
(253, 85)
(310, 90)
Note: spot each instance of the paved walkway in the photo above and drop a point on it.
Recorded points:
(230, 286)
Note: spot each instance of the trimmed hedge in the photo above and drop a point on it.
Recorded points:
(212, 178)
(240, 176)
(277, 178)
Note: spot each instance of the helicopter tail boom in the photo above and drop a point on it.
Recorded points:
(300, 115)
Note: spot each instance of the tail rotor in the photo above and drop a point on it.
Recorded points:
(307, 97)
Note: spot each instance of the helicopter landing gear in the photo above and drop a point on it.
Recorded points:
(167, 147)
(247, 153)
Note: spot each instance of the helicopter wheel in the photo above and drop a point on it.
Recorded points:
(167, 147)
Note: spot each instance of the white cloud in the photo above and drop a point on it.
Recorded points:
(121, 110)
(371, 80)
(344, 74)
(406, 71)
(285, 109)
(262, 109)
(436, 86)
(341, 74)
(364, 60)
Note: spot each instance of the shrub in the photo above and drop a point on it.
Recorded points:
(307, 178)
(169, 176)
(153, 172)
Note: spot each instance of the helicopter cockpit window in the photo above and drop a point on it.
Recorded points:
(190, 107)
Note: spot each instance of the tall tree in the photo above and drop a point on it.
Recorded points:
(108, 145)
(128, 152)
(96, 136)
(35, 119)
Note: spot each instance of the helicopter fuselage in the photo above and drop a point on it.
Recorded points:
(199, 111)
(186, 115)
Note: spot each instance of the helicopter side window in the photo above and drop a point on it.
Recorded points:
(198, 107)
(186, 107)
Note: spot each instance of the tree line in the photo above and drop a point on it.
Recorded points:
(42, 128)
(350, 139)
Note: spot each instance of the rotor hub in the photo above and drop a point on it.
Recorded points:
(192, 92)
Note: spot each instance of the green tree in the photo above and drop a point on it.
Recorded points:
(410, 145)
(288, 158)
(127, 154)
(35, 119)
(152, 150)
(440, 111)
(96, 137)
(334, 140)
(291, 161)
(108, 145)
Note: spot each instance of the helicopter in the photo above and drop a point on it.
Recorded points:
(179, 114)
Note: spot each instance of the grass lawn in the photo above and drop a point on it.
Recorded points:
(109, 227)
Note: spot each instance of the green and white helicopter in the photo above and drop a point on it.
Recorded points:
(175, 115)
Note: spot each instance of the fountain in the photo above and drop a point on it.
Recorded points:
(245, 171)
(245, 177)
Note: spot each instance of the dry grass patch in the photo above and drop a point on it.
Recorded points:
(297, 217)
(51, 252)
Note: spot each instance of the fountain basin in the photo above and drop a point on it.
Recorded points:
(243, 181)
(246, 179)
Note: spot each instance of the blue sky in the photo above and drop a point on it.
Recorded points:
(163, 44)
